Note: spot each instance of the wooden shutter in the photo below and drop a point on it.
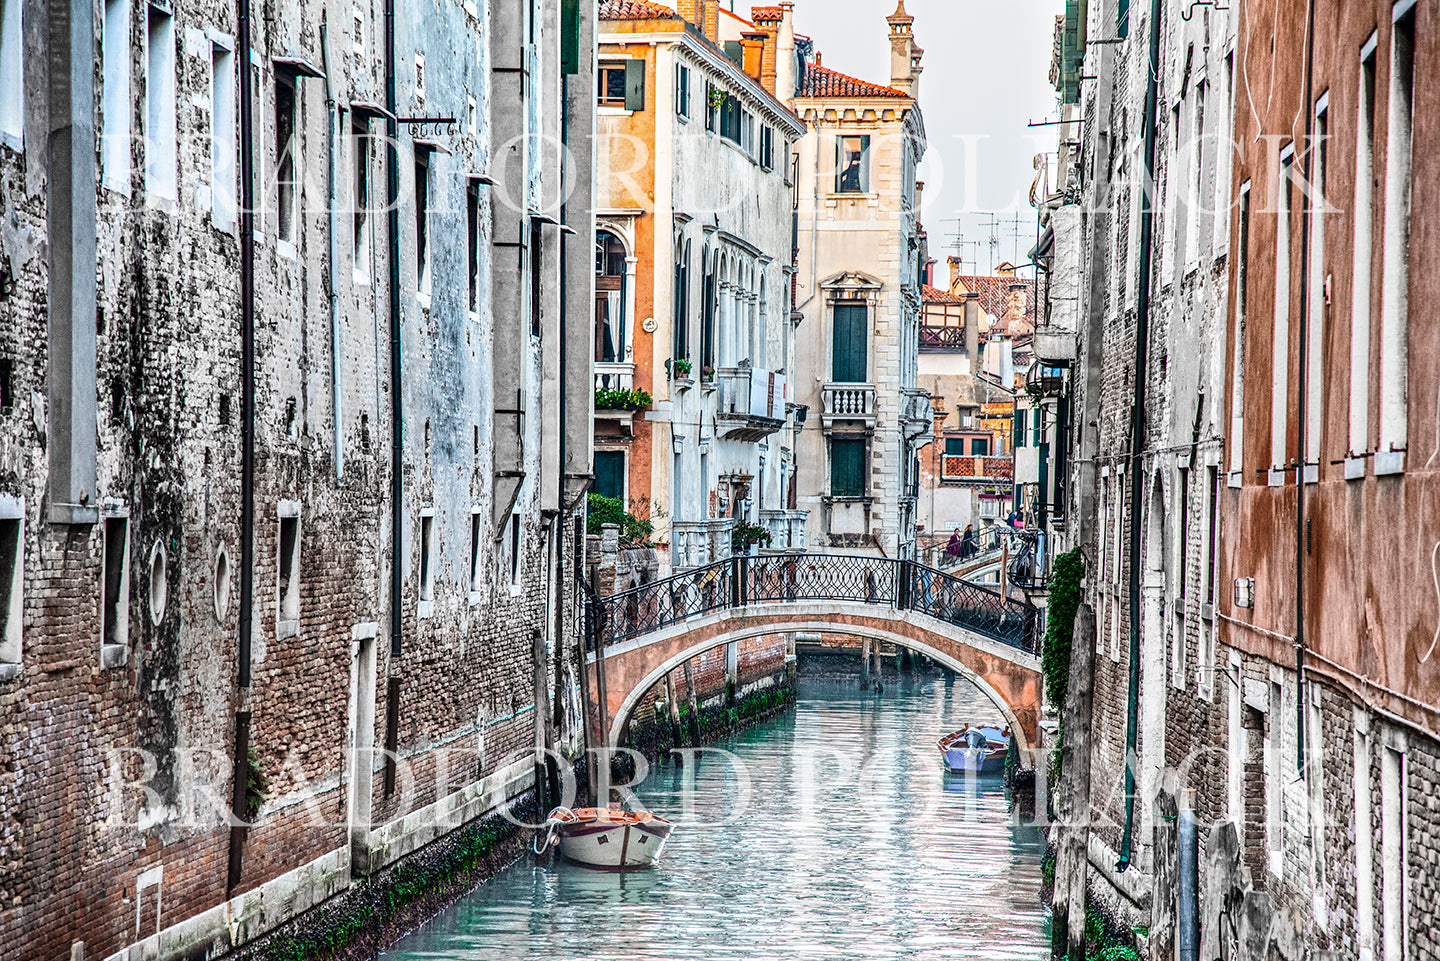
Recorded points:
(847, 468)
(635, 85)
(610, 474)
(849, 360)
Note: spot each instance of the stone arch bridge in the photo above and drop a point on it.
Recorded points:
(638, 636)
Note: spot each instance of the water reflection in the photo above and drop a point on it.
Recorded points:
(852, 843)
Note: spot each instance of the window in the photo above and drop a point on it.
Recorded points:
(115, 92)
(360, 195)
(610, 271)
(285, 145)
(159, 104)
(852, 168)
(222, 137)
(288, 571)
(472, 241)
(427, 557)
(955, 446)
(1315, 328)
(980, 446)
(1038, 428)
(707, 318)
(680, 320)
(847, 467)
(1364, 238)
(475, 568)
(622, 84)
(1395, 276)
(1393, 850)
(767, 147)
(115, 590)
(12, 578)
(1237, 367)
(712, 113)
(422, 222)
(610, 474)
(682, 90)
(1280, 346)
(850, 361)
(730, 125)
(1018, 428)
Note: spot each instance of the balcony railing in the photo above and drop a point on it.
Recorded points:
(942, 339)
(966, 467)
(848, 402)
(614, 376)
(787, 529)
(696, 543)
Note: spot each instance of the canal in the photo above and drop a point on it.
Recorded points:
(845, 840)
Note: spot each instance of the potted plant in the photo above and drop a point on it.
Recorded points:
(683, 367)
(707, 374)
(622, 399)
(745, 535)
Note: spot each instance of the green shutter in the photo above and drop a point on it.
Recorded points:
(570, 37)
(955, 446)
(847, 468)
(610, 474)
(849, 361)
(1122, 19)
(635, 85)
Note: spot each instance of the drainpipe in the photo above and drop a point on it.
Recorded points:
(247, 436)
(1137, 426)
(334, 252)
(1303, 407)
(392, 241)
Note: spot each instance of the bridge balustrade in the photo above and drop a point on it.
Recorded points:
(747, 580)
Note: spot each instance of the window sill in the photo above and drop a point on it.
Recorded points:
(112, 656)
(473, 599)
(1389, 462)
(360, 277)
(425, 609)
(1312, 473)
(1275, 478)
(603, 110)
(1354, 468)
(423, 299)
(119, 187)
(1234, 480)
(158, 202)
(284, 629)
(514, 590)
(8, 672)
(286, 249)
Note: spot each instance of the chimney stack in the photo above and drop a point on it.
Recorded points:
(904, 55)
(754, 43)
(770, 22)
(690, 11)
(972, 324)
(711, 27)
(954, 273)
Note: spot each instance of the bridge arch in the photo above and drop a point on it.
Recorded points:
(1009, 676)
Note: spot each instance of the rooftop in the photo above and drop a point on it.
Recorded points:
(634, 10)
(821, 81)
(934, 295)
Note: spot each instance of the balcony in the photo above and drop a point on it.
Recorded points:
(787, 529)
(1054, 341)
(942, 340)
(917, 416)
(851, 402)
(697, 543)
(751, 403)
(976, 469)
(614, 376)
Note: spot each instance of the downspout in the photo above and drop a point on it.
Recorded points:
(1303, 407)
(561, 584)
(1137, 425)
(334, 251)
(247, 440)
(392, 241)
(247, 341)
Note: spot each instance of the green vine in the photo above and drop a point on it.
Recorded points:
(1065, 593)
(256, 785)
(622, 399)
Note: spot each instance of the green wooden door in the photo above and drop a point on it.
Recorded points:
(610, 474)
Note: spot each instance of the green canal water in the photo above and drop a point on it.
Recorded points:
(845, 840)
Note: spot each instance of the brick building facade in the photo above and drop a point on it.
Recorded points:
(387, 384)
(1262, 604)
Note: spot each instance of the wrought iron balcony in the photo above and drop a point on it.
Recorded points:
(751, 404)
(852, 402)
(981, 470)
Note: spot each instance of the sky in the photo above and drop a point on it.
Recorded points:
(986, 76)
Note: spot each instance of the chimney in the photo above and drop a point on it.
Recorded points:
(711, 27)
(768, 21)
(754, 44)
(954, 273)
(785, 76)
(689, 11)
(972, 323)
(919, 195)
(902, 49)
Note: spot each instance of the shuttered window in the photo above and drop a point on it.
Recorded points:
(847, 468)
(610, 473)
(850, 347)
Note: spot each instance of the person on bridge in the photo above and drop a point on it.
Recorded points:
(967, 542)
(955, 548)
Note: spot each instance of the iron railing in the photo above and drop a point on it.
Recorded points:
(785, 578)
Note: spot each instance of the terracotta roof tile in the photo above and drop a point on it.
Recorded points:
(634, 10)
(824, 82)
(766, 14)
(934, 295)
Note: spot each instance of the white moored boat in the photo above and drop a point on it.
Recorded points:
(608, 838)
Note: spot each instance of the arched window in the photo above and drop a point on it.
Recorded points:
(680, 318)
(610, 320)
